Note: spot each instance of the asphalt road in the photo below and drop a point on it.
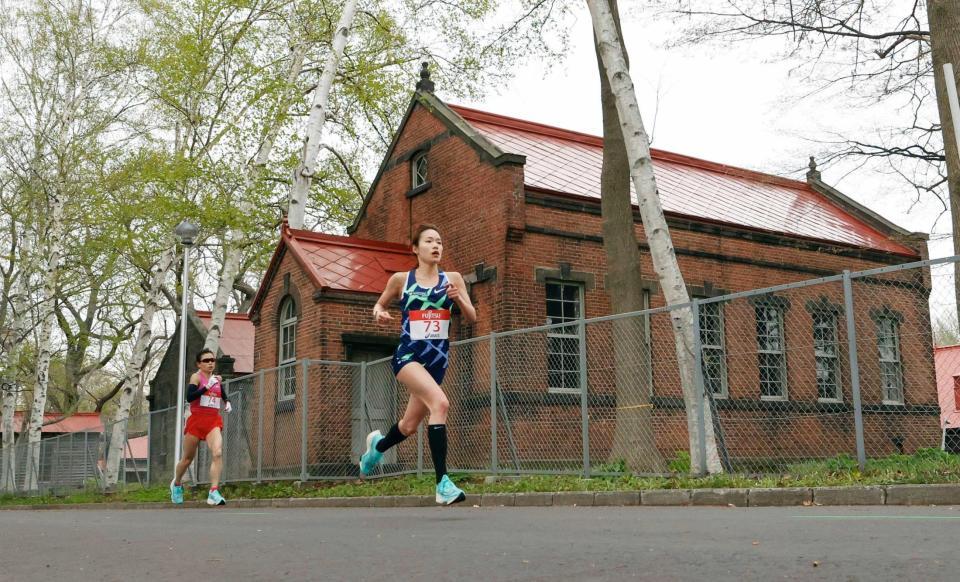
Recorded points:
(464, 543)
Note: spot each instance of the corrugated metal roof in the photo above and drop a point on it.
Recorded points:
(236, 339)
(569, 162)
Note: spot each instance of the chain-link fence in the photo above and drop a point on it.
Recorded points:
(777, 377)
(77, 460)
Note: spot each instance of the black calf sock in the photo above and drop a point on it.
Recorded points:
(437, 436)
(394, 437)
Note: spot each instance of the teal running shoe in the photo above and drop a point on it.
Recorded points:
(448, 493)
(371, 458)
(214, 498)
(176, 492)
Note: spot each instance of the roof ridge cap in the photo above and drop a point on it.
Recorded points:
(480, 116)
(727, 169)
(347, 240)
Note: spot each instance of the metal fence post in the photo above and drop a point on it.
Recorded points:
(304, 401)
(698, 387)
(364, 427)
(584, 413)
(123, 457)
(86, 459)
(55, 474)
(854, 367)
(149, 446)
(260, 429)
(420, 450)
(494, 461)
(38, 464)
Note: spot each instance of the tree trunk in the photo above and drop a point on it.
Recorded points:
(15, 339)
(633, 438)
(134, 371)
(232, 250)
(231, 265)
(303, 176)
(9, 468)
(54, 237)
(944, 18)
(658, 236)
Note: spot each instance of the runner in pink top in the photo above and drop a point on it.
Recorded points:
(206, 394)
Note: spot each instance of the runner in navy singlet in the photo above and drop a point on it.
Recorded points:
(426, 296)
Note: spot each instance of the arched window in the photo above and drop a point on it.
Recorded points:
(287, 378)
(418, 166)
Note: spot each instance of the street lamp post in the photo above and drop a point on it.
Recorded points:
(186, 231)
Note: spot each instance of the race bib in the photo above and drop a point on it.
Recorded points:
(208, 401)
(429, 324)
(211, 398)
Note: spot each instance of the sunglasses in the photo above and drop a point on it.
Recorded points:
(208, 360)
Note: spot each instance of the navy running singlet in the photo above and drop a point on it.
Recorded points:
(425, 330)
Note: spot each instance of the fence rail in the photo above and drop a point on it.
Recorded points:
(791, 374)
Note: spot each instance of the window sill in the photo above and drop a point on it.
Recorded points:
(576, 391)
(419, 189)
(286, 405)
(893, 403)
(774, 399)
(830, 400)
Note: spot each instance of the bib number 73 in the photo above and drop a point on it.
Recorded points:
(429, 324)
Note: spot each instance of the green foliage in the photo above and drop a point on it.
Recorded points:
(141, 113)
(680, 463)
(615, 466)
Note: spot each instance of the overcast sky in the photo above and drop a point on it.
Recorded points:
(724, 104)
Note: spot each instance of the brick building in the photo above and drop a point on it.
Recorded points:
(518, 207)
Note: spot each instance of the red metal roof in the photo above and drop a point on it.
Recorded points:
(79, 422)
(339, 263)
(946, 360)
(346, 263)
(236, 339)
(569, 162)
(140, 446)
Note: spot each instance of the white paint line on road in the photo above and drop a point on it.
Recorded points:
(854, 517)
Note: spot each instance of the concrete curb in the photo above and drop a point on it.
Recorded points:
(849, 496)
(722, 497)
(665, 497)
(780, 497)
(948, 494)
(923, 495)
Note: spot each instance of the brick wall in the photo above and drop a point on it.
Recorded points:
(485, 216)
(471, 201)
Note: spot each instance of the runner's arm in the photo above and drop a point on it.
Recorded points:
(194, 391)
(223, 391)
(390, 293)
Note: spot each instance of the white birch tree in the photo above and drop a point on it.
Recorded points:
(132, 377)
(53, 236)
(9, 458)
(658, 235)
(14, 340)
(232, 244)
(303, 175)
